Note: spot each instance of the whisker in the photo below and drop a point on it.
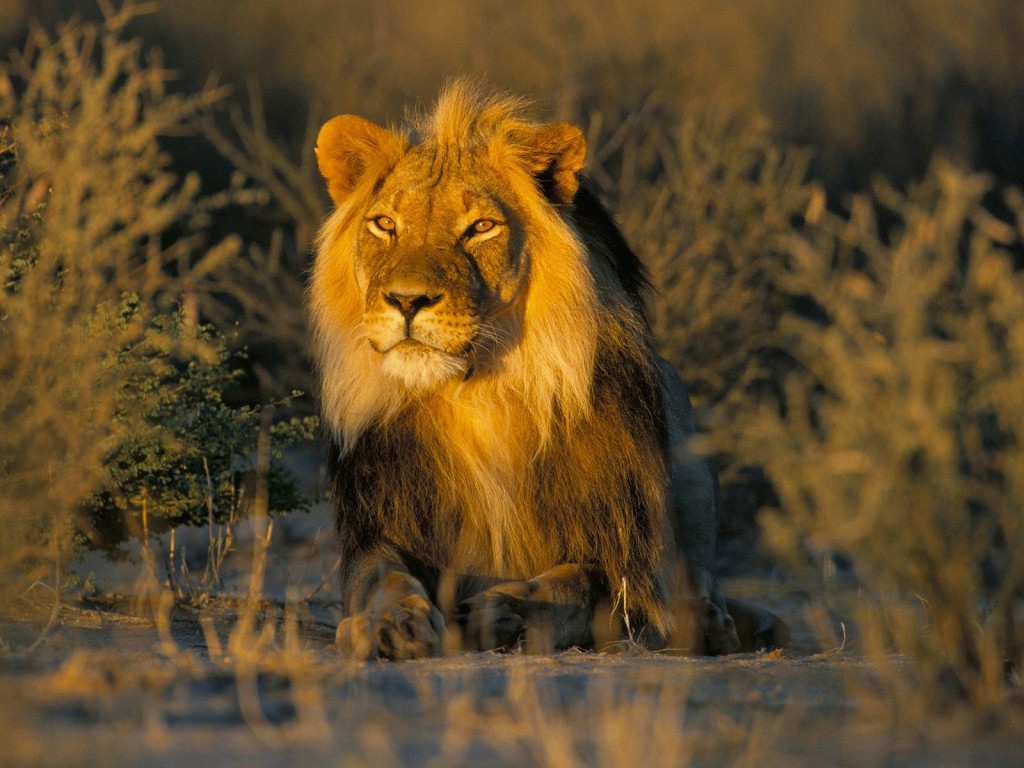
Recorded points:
(502, 341)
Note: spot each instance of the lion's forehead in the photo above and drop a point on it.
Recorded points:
(428, 191)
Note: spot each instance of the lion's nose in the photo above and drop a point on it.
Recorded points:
(411, 302)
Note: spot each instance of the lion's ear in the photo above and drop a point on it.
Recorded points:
(555, 155)
(348, 147)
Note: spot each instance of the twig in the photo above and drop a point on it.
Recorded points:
(334, 569)
(56, 610)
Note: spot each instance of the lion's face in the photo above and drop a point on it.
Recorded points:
(433, 239)
(439, 262)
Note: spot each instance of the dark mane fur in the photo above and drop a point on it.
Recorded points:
(593, 218)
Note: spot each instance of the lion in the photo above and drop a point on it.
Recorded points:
(508, 452)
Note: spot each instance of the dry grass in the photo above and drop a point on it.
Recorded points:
(272, 696)
(88, 207)
(898, 439)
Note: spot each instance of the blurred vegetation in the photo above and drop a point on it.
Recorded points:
(873, 86)
(856, 356)
(898, 438)
(112, 396)
(710, 229)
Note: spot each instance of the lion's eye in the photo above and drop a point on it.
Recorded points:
(480, 226)
(384, 223)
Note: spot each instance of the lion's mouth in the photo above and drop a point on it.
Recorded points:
(408, 344)
(412, 345)
(421, 366)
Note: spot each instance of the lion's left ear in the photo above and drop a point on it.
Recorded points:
(555, 154)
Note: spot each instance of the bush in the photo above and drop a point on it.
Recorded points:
(707, 201)
(180, 455)
(91, 211)
(900, 439)
(859, 374)
(707, 219)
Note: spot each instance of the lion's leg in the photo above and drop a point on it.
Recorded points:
(552, 611)
(693, 508)
(391, 616)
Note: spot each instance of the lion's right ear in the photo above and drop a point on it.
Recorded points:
(349, 147)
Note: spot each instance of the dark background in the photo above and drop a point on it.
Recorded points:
(873, 86)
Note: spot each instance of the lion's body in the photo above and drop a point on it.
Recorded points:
(497, 410)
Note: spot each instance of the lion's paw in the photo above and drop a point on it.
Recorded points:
(496, 618)
(719, 630)
(407, 628)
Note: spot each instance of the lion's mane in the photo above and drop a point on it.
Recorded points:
(556, 454)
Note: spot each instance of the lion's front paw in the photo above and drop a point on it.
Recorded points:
(759, 629)
(399, 629)
(496, 618)
(719, 629)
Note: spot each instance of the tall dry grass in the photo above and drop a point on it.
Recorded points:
(106, 255)
(706, 199)
(858, 372)
(898, 438)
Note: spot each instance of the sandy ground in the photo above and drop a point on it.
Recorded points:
(121, 682)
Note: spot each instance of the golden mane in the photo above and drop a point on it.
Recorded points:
(547, 373)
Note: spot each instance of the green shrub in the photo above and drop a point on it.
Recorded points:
(180, 454)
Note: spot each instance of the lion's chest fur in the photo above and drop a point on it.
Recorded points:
(472, 484)
(458, 484)
(490, 459)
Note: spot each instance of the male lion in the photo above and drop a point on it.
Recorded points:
(506, 445)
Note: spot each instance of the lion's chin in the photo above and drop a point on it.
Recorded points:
(421, 367)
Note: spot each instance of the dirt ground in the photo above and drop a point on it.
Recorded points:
(118, 681)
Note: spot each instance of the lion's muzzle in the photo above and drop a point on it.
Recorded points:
(414, 283)
(422, 319)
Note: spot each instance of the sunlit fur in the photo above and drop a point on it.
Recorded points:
(553, 450)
